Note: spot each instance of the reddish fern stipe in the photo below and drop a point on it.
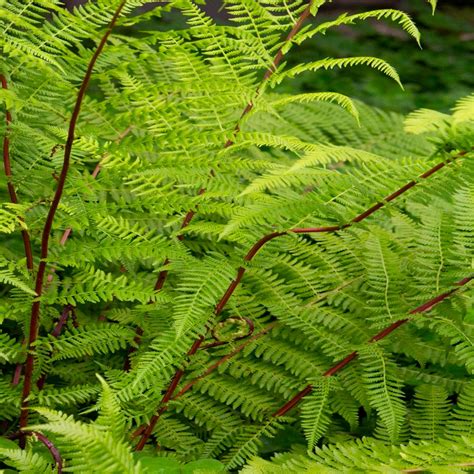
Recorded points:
(35, 310)
(424, 308)
(11, 188)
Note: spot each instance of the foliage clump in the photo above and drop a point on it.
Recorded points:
(189, 256)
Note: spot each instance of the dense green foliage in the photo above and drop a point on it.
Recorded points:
(163, 133)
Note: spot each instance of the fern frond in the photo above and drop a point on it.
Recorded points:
(75, 439)
(461, 337)
(397, 16)
(201, 286)
(9, 349)
(197, 197)
(111, 416)
(384, 390)
(464, 109)
(88, 340)
(462, 423)
(315, 411)
(431, 412)
(27, 461)
(246, 445)
(332, 97)
(424, 121)
(7, 276)
(369, 455)
(433, 4)
(331, 63)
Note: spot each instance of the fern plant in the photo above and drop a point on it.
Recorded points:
(218, 252)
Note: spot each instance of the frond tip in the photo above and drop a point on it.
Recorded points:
(434, 4)
(332, 97)
(331, 63)
(398, 16)
(315, 412)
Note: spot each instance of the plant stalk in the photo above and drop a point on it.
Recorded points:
(52, 449)
(11, 188)
(330, 229)
(35, 311)
(424, 308)
(141, 431)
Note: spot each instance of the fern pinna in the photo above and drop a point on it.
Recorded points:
(217, 252)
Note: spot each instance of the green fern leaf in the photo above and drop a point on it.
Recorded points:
(315, 412)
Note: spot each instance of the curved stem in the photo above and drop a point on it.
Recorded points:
(68, 310)
(146, 431)
(52, 449)
(11, 188)
(166, 398)
(43, 439)
(328, 229)
(14, 199)
(35, 311)
(424, 308)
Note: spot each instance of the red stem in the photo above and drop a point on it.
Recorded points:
(11, 188)
(35, 311)
(328, 229)
(146, 433)
(424, 308)
(52, 449)
(224, 359)
(146, 430)
(17, 374)
(64, 238)
(68, 310)
(49, 445)
(62, 321)
(14, 199)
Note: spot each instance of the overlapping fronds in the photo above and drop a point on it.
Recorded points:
(218, 246)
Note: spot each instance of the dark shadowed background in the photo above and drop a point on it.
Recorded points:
(434, 77)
